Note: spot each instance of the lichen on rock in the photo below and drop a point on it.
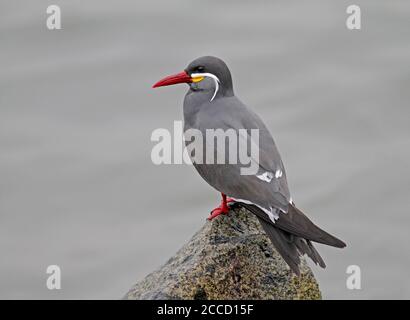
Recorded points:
(230, 257)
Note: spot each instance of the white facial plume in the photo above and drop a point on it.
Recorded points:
(209, 75)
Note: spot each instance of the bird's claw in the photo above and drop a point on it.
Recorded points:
(222, 209)
(217, 211)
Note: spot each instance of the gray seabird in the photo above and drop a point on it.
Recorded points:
(211, 103)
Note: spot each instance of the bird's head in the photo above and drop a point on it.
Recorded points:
(205, 74)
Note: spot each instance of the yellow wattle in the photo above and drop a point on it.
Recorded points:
(197, 79)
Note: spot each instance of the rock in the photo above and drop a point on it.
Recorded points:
(229, 258)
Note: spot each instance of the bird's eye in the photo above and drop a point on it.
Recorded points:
(200, 69)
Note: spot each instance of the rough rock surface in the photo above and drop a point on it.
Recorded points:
(229, 258)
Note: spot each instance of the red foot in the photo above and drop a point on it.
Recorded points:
(223, 207)
(230, 200)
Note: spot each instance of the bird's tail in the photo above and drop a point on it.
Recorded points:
(292, 234)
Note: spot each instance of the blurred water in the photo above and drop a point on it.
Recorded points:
(78, 188)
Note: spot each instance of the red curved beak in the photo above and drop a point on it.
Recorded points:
(181, 77)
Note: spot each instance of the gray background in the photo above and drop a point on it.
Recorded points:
(77, 185)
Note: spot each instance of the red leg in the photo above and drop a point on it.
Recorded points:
(223, 207)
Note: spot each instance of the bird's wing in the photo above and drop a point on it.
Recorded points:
(296, 223)
(269, 158)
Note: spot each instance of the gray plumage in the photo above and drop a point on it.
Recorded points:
(208, 108)
(226, 111)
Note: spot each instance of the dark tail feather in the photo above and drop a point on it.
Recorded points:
(295, 222)
(306, 247)
(290, 247)
(293, 241)
(283, 244)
